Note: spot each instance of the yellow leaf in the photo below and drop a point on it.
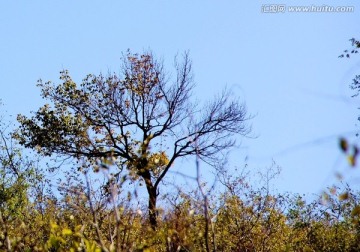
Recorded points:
(355, 211)
(66, 231)
(351, 160)
(344, 196)
(54, 225)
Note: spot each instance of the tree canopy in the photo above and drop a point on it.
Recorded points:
(128, 116)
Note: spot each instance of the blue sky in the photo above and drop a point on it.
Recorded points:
(284, 66)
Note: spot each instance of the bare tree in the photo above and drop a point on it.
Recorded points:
(128, 117)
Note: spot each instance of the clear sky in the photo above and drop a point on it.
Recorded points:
(283, 65)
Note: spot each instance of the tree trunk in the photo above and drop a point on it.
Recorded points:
(152, 207)
(152, 193)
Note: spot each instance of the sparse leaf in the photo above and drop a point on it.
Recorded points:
(351, 160)
(356, 211)
(344, 196)
(343, 144)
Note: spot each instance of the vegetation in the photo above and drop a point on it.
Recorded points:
(112, 134)
(351, 150)
(240, 218)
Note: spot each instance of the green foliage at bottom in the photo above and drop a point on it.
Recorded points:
(258, 222)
